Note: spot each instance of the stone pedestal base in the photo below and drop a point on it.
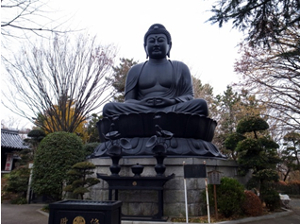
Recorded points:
(144, 203)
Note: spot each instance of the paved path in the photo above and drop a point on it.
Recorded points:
(22, 214)
(29, 214)
(292, 218)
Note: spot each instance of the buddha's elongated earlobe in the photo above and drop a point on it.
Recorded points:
(146, 51)
(170, 46)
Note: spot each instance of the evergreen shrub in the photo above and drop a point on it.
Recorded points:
(18, 180)
(56, 154)
(80, 178)
(271, 198)
(230, 196)
(15, 188)
(89, 148)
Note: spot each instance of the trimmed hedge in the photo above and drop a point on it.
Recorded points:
(56, 154)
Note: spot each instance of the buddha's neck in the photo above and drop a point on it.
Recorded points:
(158, 61)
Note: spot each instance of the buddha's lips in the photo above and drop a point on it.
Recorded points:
(156, 51)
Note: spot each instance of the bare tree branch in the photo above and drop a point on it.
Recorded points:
(274, 77)
(61, 84)
(27, 15)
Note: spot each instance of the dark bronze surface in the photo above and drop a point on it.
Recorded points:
(159, 101)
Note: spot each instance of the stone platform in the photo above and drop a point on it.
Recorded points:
(144, 203)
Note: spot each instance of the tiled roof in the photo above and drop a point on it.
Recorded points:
(11, 139)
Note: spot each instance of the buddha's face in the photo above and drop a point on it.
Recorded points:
(157, 46)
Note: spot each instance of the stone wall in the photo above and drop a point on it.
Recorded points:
(145, 202)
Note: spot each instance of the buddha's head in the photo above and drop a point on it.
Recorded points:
(157, 34)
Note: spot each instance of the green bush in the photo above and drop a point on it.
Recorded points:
(80, 179)
(89, 148)
(17, 180)
(266, 175)
(271, 198)
(250, 124)
(230, 196)
(56, 154)
(16, 185)
(19, 200)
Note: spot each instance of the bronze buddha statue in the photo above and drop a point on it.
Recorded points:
(159, 84)
(159, 109)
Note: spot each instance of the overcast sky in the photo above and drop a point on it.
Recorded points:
(208, 50)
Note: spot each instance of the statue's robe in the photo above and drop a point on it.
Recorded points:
(181, 90)
(135, 124)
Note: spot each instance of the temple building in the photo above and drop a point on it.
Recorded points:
(11, 142)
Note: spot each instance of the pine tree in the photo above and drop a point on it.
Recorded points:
(119, 78)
